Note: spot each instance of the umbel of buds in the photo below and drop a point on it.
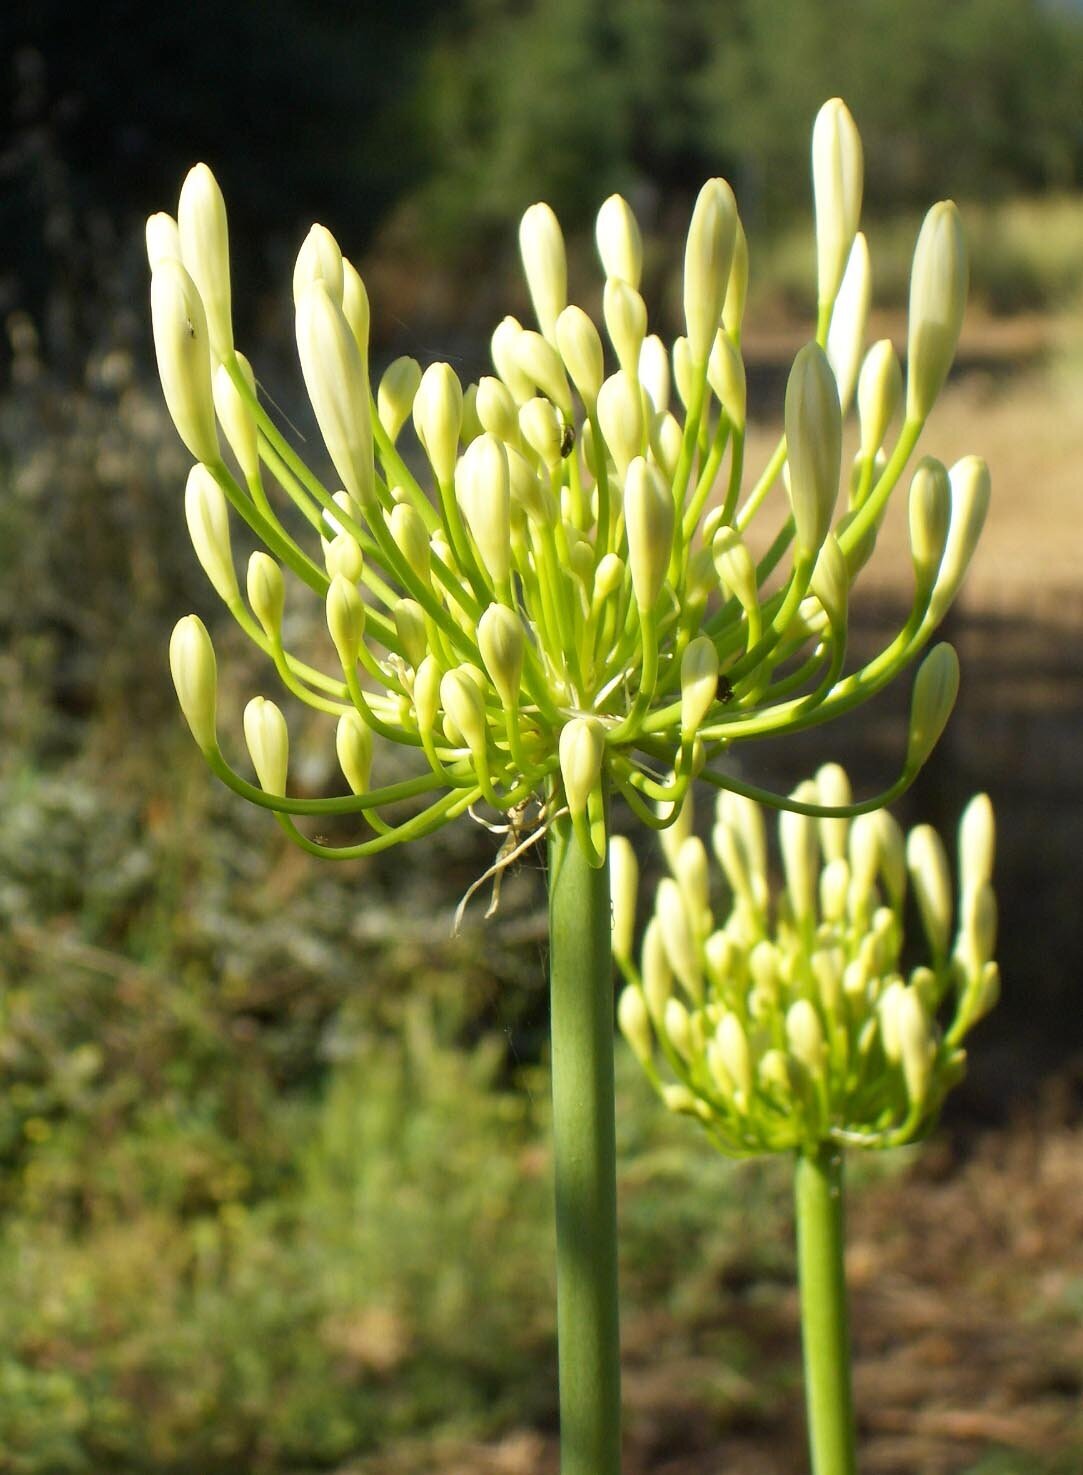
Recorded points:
(554, 593)
(792, 1021)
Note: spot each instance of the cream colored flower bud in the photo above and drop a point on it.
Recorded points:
(541, 427)
(733, 309)
(484, 486)
(319, 260)
(831, 582)
(708, 258)
(541, 245)
(195, 676)
(236, 418)
(892, 847)
(653, 371)
(527, 491)
(163, 239)
(502, 643)
(814, 442)
(879, 392)
(736, 567)
(977, 929)
(935, 689)
(692, 874)
(677, 1026)
(657, 974)
(930, 876)
(735, 1055)
(342, 555)
(977, 844)
(608, 578)
(345, 619)
(699, 683)
(353, 744)
(409, 620)
(620, 415)
(834, 888)
(266, 593)
(502, 346)
(805, 1035)
(539, 361)
(408, 533)
(461, 699)
(581, 749)
(625, 315)
(620, 244)
(355, 307)
(666, 441)
(970, 492)
(337, 383)
(837, 185)
(833, 790)
(720, 955)
(635, 1023)
(497, 411)
(182, 348)
(930, 511)
(395, 397)
(864, 857)
(938, 288)
(623, 885)
(917, 1046)
(438, 418)
(846, 335)
(208, 527)
(679, 938)
(427, 693)
(801, 852)
(683, 373)
(204, 249)
(581, 349)
(268, 742)
(726, 376)
(649, 519)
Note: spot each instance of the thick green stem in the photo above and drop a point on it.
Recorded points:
(581, 990)
(824, 1320)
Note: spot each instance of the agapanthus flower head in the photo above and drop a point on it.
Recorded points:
(789, 1018)
(553, 592)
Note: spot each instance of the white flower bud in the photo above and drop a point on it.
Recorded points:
(800, 852)
(726, 376)
(879, 391)
(409, 620)
(814, 442)
(930, 511)
(657, 974)
(353, 744)
(977, 929)
(319, 260)
(831, 582)
(930, 876)
(195, 676)
(833, 790)
(837, 183)
(182, 349)
(408, 533)
(692, 875)
(683, 374)
(938, 287)
(623, 884)
(581, 349)
(342, 555)
(355, 307)
(805, 1036)
(625, 315)
(236, 418)
(345, 619)
(620, 415)
(483, 485)
(266, 592)
(461, 699)
(653, 372)
(619, 242)
(581, 749)
(337, 383)
(977, 844)
(541, 246)
(679, 937)
(635, 1024)
(496, 410)
(846, 335)
(502, 643)
(834, 888)
(438, 418)
(649, 519)
(395, 396)
(699, 683)
(733, 309)
(208, 526)
(268, 742)
(502, 346)
(917, 1047)
(542, 429)
(708, 258)
(204, 249)
(666, 440)
(735, 1055)
(163, 239)
(608, 578)
(735, 567)
(970, 491)
(539, 361)
(427, 693)
(935, 689)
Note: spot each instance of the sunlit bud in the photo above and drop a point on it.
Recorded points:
(831, 582)
(935, 689)
(619, 242)
(666, 440)
(528, 492)
(581, 349)
(977, 843)
(345, 619)
(879, 391)
(649, 517)
(833, 790)
(846, 335)
(892, 848)
(682, 950)
(623, 884)
(735, 1056)
(720, 956)
(938, 287)
(699, 682)
(620, 415)
(800, 852)
(653, 370)
(438, 417)
(342, 555)
(733, 308)
(410, 538)
(634, 1021)
(683, 374)
(678, 1027)
(970, 490)
(395, 397)
(625, 315)
(540, 363)
(183, 353)
(735, 566)
(409, 620)
(917, 1048)
(692, 876)
(930, 510)
(236, 418)
(676, 833)
(163, 239)
(805, 1035)
(930, 877)
(502, 346)
(461, 699)
(204, 249)
(353, 744)
(864, 857)
(708, 258)
(319, 260)
(732, 859)
(266, 593)
(814, 442)
(541, 246)
(608, 577)
(502, 642)
(657, 974)
(268, 744)
(977, 928)
(542, 429)
(888, 1010)
(208, 526)
(195, 676)
(355, 307)
(726, 376)
(837, 182)
(496, 410)
(764, 965)
(337, 383)
(427, 693)
(834, 889)
(581, 749)
(985, 994)
(483, 484)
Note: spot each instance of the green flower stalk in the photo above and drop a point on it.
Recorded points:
(792, 1025)
(553, 597)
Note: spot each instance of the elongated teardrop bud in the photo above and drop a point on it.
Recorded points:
(337, 383)
(236, 418)
(619, 242)
(182, 348)
(502, 643)
(935, 689)
(938, 287)
(208, 526)
(541, 245)
(195, 676)
(846, 335)
(581, 349)
(540, 362)
(268, 741)
(502, 345)
(879, 391)
(163, 239)
(204, 245)
(319, 260)
(625, 315)
(970, 492)
(581, 749)
(345, 619)
(708, 258)
(353, 745)
(977, 844)
(623, 886)
(699, 683)
(395, 397)
(837, 185)
(634, 1021)
(801, 852)
(930, 509)
(620, 414)
(814, 442)
(485, 492)
(649, 520)
(438, 418)
(355, 308)
(266, 592)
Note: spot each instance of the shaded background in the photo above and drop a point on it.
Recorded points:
(274, 1189)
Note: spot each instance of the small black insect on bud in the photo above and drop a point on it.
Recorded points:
(724, 691)
(567, 441)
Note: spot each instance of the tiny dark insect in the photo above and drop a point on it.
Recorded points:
(567, 441)
(191, 327)
(724, 692)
